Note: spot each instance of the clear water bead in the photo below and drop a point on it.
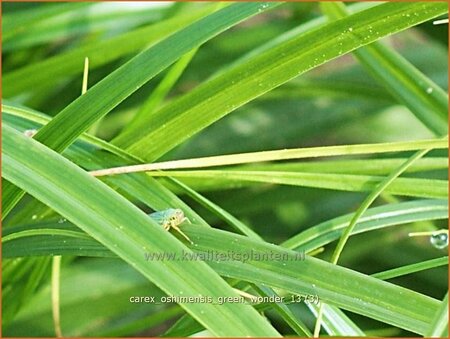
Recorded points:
(439, 240)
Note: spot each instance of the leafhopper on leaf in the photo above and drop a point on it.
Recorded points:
(171, 218)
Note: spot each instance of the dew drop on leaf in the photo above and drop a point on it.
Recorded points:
(30, 132)
(439, 240)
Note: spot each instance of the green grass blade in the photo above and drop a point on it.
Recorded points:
(15, 23)
(354, 166)
(378, 217)
(108, 93)
(126, 231)
(110, 282)
(311, 132)
(277, 155)
(42, 231)
(217, 210)
(422, 96)
(380, 188)
(19, 283)
(100, 53)
(100, 99)
(413, 268)
(286, 154)
(144, 115)
(427, 188)
(336, 323)
(296, 324)
(335, 285)
(345, 236)
(38, 119)
(138, 185)
(225, 93)
(439, 326)
(80, 23)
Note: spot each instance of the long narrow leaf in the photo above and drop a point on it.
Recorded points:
(422, 96)
(403, 186)
(111, 91)
(69, 63)
(334, 285)
(439, 325)
(126, 231)
(241, 84)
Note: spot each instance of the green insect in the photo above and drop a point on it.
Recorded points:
(171, 218)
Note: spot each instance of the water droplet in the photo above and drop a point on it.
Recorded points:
(62, 220)
(350, 29)
(30, 132)
(34, 217)
(439, 240)
(429, 90)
